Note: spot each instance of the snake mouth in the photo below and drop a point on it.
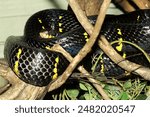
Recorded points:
(46, 35)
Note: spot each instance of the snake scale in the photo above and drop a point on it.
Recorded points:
(32, 60)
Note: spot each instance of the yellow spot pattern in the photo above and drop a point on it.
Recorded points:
(60, 30)
(17, 62)
(43, 27)
(119, 31)
(55, 70)
(48, 48)
(102, 66)
(86, 36)
(59, 24)
(138, 17)
(51, 36)
(120, 45)
(124, 55)
(60, 17)
(57, 59)
(40, 21)
(45, 35)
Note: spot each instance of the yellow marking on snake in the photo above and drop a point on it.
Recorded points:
(119, 31)
(120, 45)
(60, 30)
(48, 48)
(102, 66)
(43, 35)
(59, 24)
(87, 39)
(85, 33)
(19, 53)
(17, 62)
(86, 36)
(55, 70)
(138, 17)
(40, 20)
(57, 59)
(51, 36)
(43, 27)
(46, 35)
(60, 17)
(124, 55)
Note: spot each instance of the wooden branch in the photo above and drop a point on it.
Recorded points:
(22, 91)
(17, 89)
(4, 84)
(81, 15)
(125, 64)
(125, 5)
(87, 48)
(142, 4)
(90, 7)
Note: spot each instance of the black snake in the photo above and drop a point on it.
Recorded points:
(33, 62)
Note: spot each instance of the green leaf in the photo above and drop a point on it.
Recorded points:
(95, 94)
(124, 96)
(83, 87)
(111, 87)
(73, 93)
(127, 84)
(87, 96)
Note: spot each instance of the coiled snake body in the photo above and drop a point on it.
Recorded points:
(33, 62)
